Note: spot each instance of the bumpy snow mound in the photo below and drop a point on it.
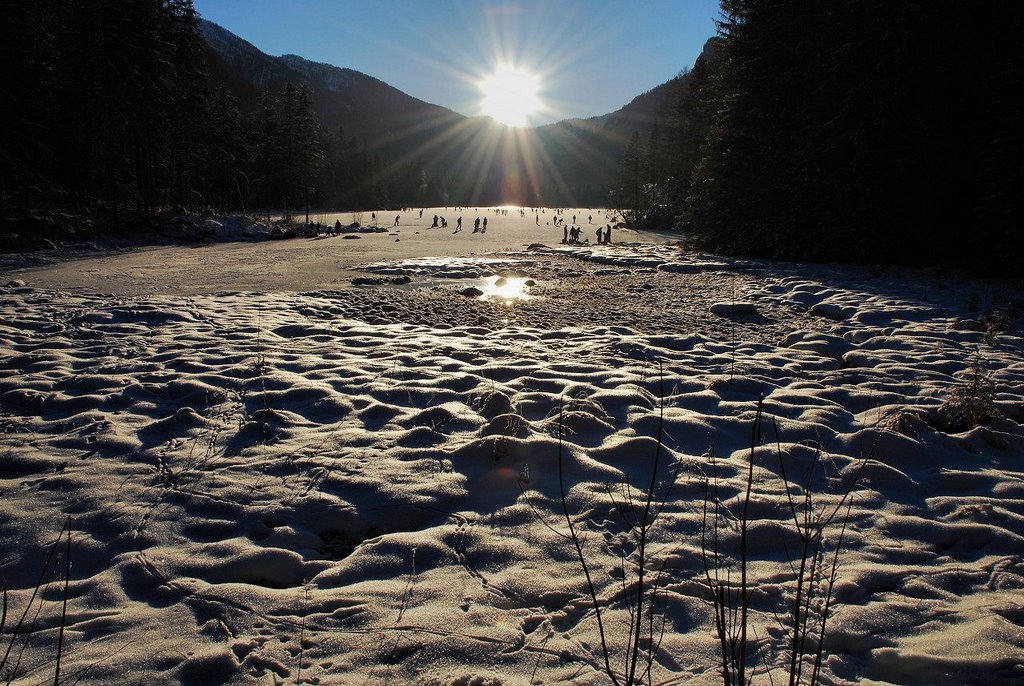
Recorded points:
(263, 484)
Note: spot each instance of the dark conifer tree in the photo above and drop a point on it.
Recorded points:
(306, 140)
(631, 181)
(864, 130)
(226, 162)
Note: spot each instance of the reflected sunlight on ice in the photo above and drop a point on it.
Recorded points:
(507, 288)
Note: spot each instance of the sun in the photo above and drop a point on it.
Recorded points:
(510, 95)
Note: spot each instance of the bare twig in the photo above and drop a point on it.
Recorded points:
(64, 606)
(578, 546)
(639, 586)
(730, 601)
(28, 606)
(302, 632)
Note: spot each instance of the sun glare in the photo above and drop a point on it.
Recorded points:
(510, 95)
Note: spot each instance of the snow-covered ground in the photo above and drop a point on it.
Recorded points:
(274, 476)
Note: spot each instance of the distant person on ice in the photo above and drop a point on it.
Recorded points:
(608, 234)
(600, 232)
(337, 226)
(484, 230)
(565, 233)
(373, 216)
(396, 219)
(421, 213)
(434, 225)
(458, 225)
(444, 223)
(538, 220)
(476, 225)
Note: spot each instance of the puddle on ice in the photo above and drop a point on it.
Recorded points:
(481, 273)
(506, 288)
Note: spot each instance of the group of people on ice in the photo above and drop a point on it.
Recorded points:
(439, 222)
(477, 226)
(571, 235)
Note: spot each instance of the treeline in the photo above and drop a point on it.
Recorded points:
(885, 130)
(103, 99)
(657, 169)
(279, 156)
(109, 108)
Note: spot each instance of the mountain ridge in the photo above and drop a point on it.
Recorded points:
(571, 161)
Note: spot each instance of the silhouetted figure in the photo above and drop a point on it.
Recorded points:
(476, 225)
(458, 225)
(396, 219)
(565, 233)
(373, 217)
(444, 223)
(608, 234)
(434, 225)
(421, 213)
(574, 219)
(538, 220)
(484, 230)
(337, 226)
(590, 219)
(600, 232)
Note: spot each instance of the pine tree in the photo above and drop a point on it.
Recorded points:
(226, 163)
(631, 181)
(308, 152)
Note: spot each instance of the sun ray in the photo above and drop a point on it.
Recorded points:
(537, 158)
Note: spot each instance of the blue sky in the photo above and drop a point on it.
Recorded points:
(592, 56)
